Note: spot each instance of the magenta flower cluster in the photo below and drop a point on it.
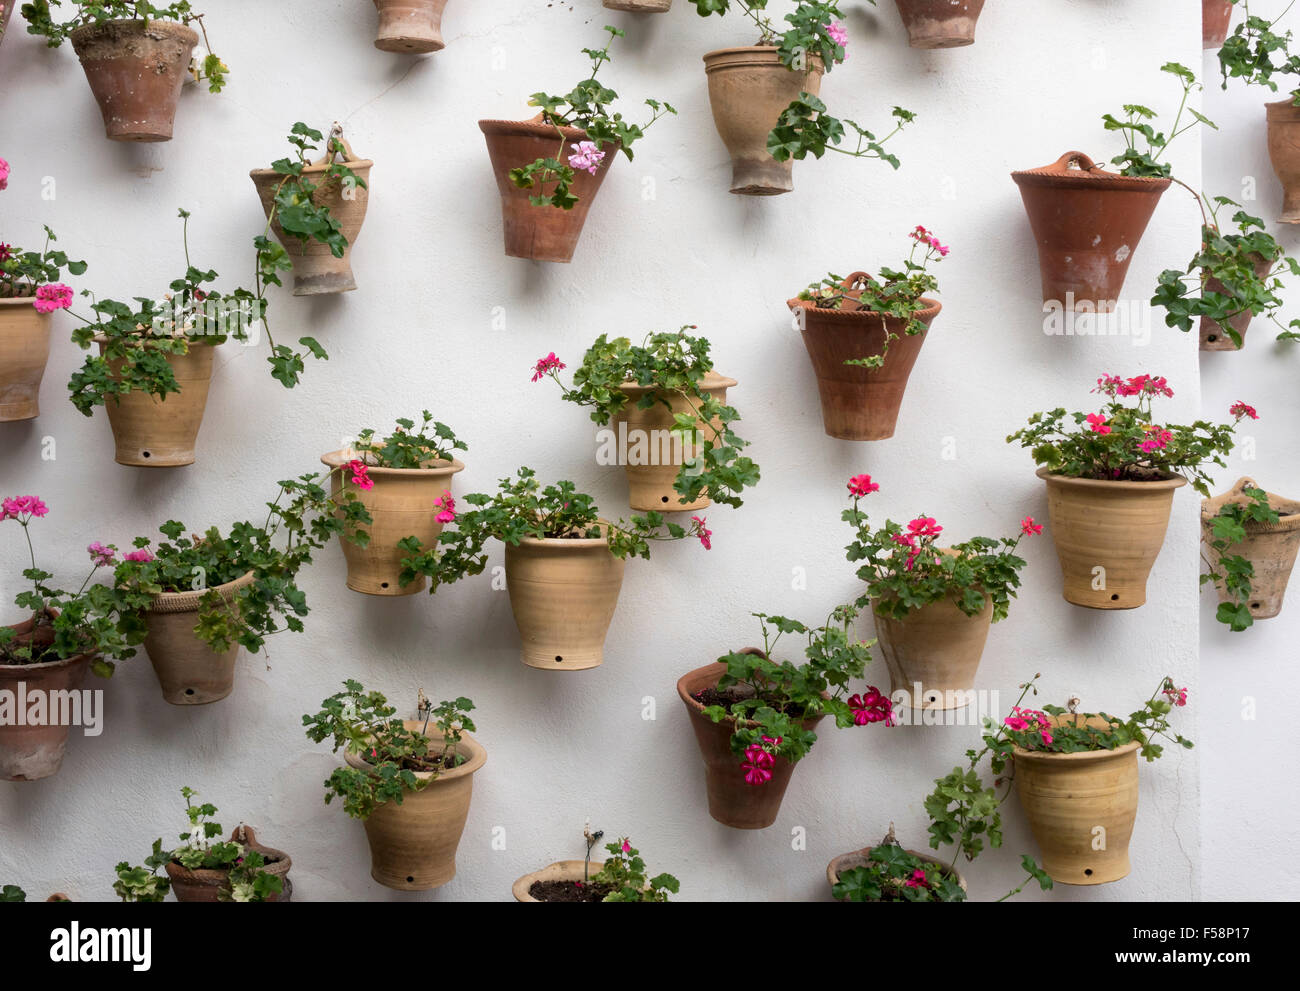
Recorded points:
(22, 508)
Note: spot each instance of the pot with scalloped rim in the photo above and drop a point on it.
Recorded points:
(207, 885)
(940, 23)
(1269, 547)
(189, 671)
(860, 858)
(411, 26)
(24, 352)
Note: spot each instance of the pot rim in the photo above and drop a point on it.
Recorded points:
(100, 27)
(28, 300)
(717, 667)
(1058, 174)
(45, 665)
(842, 862)
(1275, 108)
(337, 459)
(355, 164)
(1210, 508)
(216, 875)
(931, 310)
(560, 544)
(1174, 482)
(201, 341)
(182, 602)
(533, 127)
(523, 883)
(1083, 755)
(766, 50)
(713, 379)
(476, 751)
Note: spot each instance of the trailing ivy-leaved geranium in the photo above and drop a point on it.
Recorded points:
(1233, 573)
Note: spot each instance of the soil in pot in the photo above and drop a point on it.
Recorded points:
(1213, 336)
(565, 881)
(162, 433)
(204, 885)
(189, 671)
(1284, 153)
(934, 653)
(24, 351)
(412, 26)
(940, 23)
(1269, 547)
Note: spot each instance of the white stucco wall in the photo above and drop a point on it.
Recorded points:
(420, 332)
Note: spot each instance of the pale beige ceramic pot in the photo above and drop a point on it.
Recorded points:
(189, 671)
(149, 432)
(1269, 547)
(24, 351)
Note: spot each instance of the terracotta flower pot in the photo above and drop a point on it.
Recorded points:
(136, 70)
(410, 25)
(650, 485)
(749, 89)
(189, 671)
(563, 594)
(934, 653)
(1081, 808)
(732, 801)
(1087, 223)
(316, 271)
(24, 351)
(1284, 153)
(1213, 336)
(563, 870)
(940, 23)
(413, 845)
(540, 233)
(204, 885)
(1118, 527)
(27, 752)
(860, 858)
(162, 433)
(1216, 18)
(640, 6)
(401, 505)
(860, 403)
(1269, 547)
(5, 11)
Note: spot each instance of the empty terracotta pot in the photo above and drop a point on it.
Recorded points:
(860, 403)
(316, 271)
(640, 6)
(540, 233)
(204, 885)
(1213, 336)
(413, 845)
(860, 858)
(934, 653)
(410, 25)
(24, 351)
(1216, 18)
(189, 671)
(1087, 223)
(401, 504)
(1081, 808)
(1269, 547)
(162, 433)
(136, 70)
(732, 801)
(32, 752)
(749, 89)
(940, 23)
(649, 440)
(563, 870)
(563, 593)
(1107, 536)
(1284, 153)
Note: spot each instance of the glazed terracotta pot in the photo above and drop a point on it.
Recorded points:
(1117, 527)
(1213, 336)
(934, 653)
(860, 858)
(401, 504)
(1269, 547)
(563, 870)
(32, 752)
(640, 6)
(136, 70)
(1078, 802)
(563, 593)
(860, 403)
(189, 671)
(413, 845)
(1087, 223)
(1216, 18)
(204, 885)
(940, 23)
(732, 801)
(24, 351)
(749, 89)
(1284, 153)
(162, 433)
(650, 484)
(316, 271)
(410, 25)
(540, 233)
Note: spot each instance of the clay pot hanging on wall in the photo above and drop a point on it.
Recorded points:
(567, 871)
(860, 403)
(136, 70)
(413, 845)
(1087, 223)
(934, 653)
(540, 233)
(316, 272)
(410, 25)
(563, 594)
(1107, 536)
(1066, 797)
(749, 89)
(640, 6)
(1269, 547)
(1284, 153)
(650, 484)
(401, 505)
(205, 885)
(1216, 18)
(940, 23)
(1213, 336)
(24, 351)
(189, 671)
(162, 433)
(861, 858)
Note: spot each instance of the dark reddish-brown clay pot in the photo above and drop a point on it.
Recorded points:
(1284, 153)
(1087, 223)
(1216, 17)
(1213, 336)
(410, 25)
(940, 23)
(860, 403)
(207, 885)
(541, 233)
(136, 70)
(732, 801)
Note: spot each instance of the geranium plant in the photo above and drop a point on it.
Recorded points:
(1256, 52)
(408, 446)
(892, 874)
(1234, 573)
(624, 874)
(1124, 443)
(675, 365)
(587, 107)
(1144, 145)
(36, 275)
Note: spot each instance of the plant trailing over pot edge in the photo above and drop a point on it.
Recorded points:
(1252, 537)
(621, 878)
(888, 873)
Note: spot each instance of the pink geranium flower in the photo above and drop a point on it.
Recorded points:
(871, 707)
(627, 846)
(360, 474)
(1097, 423)
(862, 485)
(447, 505)
(1157, 439)
(924, 526)
(1240, 410)
(547, 365)
(100, 554)
(918, 879)
(838, 35)
(586, 156)
(1029, 528)
(703, 532)
(143, 556)
(55, 296)
(22, 508)
(4, 166)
